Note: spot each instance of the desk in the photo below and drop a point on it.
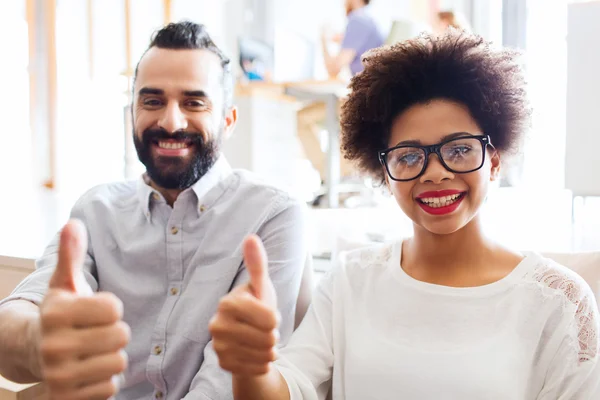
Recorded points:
(15, 391)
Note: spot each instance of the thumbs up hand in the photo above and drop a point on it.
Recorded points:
(244, 329)
(82, 335)
(68, 275)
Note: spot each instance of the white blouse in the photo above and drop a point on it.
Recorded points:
(374, 332)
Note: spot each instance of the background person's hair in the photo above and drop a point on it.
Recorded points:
(457, 66)
(187, 35)
(453, 20)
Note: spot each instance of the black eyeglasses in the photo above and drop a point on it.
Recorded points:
(459, 155)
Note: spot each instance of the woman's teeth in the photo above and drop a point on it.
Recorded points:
(171, 145)
(436, 202)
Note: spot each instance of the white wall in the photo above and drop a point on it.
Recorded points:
(583, 103)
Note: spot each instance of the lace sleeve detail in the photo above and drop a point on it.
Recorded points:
(577, 292)
(586, 319)
(376, 255)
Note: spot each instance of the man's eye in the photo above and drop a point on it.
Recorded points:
(195, 103)
(152, 102)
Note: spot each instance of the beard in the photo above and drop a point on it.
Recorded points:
(176, 172)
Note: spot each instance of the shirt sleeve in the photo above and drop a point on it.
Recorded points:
(575, 371)
(355, 36)
(306, 363)
(34, 287)
(285, 243)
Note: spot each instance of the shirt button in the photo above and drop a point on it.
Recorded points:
(174, 291)
(202, 208)
(159, 395)
(157, 350)
(155, 196)
(174, 230)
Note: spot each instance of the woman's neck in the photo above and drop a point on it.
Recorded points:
(461, 245)
(463, 258)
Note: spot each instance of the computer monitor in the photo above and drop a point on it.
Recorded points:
(256, 59)
(295, 56)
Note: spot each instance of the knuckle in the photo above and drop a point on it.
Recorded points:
(218, 327)
(224, 365)
(122, 334)
(111, 305)
(52, 315)
(272, 321)
(213, 324)
(58, 376)
(111, 389)
(226, 305)
(262, 369)
(220, 347)
(271, 339)
(52, 347)
(121, 361)
(272, 355)
(56, 394)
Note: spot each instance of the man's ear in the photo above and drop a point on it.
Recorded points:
(495, 168)
(230, 121)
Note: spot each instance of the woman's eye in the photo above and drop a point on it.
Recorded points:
(409, 159)
(460, 150)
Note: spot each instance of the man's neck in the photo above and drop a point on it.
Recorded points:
(170, 195)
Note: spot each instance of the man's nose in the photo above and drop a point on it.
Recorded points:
(173, 120)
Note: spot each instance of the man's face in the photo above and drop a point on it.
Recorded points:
(348, 6)
(179, 115)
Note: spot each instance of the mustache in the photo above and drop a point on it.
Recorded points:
(153, 135)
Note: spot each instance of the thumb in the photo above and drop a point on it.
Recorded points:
(71, 255)
(255, 258)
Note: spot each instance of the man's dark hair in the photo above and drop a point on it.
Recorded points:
(187, 35)
(457, 66)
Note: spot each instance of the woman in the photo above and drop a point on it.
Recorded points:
(448, 313)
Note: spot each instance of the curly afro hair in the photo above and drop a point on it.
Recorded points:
(457, 66)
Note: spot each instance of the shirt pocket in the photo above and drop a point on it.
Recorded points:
(200, 297)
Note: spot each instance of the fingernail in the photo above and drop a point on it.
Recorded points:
(118, 381)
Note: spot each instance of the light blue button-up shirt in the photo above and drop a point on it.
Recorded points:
(171, 265)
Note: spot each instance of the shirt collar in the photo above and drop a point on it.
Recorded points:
(219, 171)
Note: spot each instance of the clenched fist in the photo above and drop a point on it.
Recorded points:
(244, 329)
(82, 335)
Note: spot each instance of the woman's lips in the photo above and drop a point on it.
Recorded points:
(440, 202)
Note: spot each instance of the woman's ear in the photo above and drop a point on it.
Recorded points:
(387, 178)
(495, 168)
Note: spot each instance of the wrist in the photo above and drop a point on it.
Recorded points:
(33, 339)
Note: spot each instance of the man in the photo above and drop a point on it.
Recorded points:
(362, 34)
(166, 248)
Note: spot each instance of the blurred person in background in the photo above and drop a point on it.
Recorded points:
(361, 35)
(127, 288)
(450, 19)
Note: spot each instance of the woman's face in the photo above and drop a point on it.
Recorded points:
(440, 201)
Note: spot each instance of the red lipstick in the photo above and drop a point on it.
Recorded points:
(440, 202)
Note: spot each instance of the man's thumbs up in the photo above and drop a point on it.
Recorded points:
(71, 256)
(255, 259)
(72, 313)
